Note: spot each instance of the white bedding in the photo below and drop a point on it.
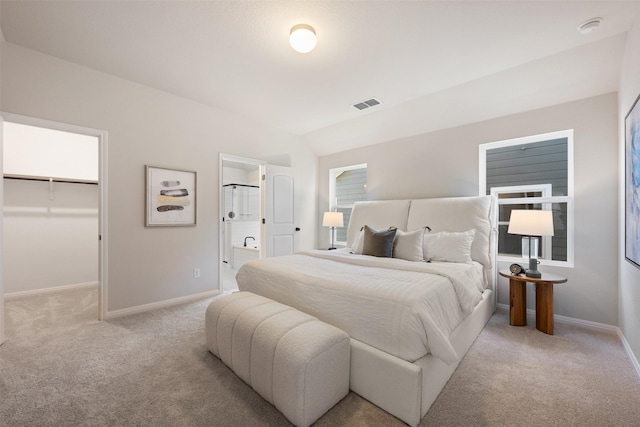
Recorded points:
(404, 308)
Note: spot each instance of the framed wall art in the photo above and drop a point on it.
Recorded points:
(632, 184)
(170, 197)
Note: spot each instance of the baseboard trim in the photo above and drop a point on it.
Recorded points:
(48, 291)
(531, 314)
(603, 327)
(160, 304)
(632, 356)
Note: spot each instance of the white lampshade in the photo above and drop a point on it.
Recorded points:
(531, 223)
(303, 38)
(332, 219)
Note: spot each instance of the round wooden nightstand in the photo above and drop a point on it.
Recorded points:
(544, 299)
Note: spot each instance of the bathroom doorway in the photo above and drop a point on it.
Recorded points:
(258, 214)
(241, 204)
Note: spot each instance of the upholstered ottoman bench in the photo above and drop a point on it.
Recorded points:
(293, 360)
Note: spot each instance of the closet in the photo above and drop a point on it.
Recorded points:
(50, 210)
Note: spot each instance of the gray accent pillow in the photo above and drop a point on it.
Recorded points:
(378, 243)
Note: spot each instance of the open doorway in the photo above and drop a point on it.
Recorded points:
(53, 217)
(240, 228)
(258, 214)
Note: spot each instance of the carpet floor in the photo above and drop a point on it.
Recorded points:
(153, 369)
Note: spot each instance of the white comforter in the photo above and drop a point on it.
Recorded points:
(407, 309)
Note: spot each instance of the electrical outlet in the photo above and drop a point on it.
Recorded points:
(196, 273)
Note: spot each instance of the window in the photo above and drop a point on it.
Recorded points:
(347, 185)
(534, 172)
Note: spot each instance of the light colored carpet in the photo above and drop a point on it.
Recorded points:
(50, 313)
(153, 369)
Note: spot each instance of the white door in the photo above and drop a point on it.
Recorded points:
(1, 221)
(279, 230)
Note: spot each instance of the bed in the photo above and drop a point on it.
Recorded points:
(410, 320)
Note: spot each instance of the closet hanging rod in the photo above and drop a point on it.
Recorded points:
(43, 179)
(242, 185)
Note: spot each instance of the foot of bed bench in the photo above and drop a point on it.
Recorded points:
(293, 360)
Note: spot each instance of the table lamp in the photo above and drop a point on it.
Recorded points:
(531, 223)
(333, 220)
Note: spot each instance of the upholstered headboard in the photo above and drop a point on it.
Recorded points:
(457, 214)
(452, 214)
(379, 215)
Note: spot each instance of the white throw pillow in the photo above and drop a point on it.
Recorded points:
(449, 246)
(408, 245)
(358, 243)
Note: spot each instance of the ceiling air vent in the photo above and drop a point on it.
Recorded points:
(366, 104)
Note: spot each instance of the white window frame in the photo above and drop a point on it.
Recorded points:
(545, 189)
(333, 201)
(546, 201)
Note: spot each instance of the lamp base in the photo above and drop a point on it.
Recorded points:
(330, 249)
(533, 269)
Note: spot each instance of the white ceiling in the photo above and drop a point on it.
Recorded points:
(433, 64)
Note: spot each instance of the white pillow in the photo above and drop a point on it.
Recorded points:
(448, 246)
(408, 245)
(358, 243)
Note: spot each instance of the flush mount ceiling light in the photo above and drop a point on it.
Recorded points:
(589, 25)
(303, 38)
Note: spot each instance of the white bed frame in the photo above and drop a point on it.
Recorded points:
(407, 390)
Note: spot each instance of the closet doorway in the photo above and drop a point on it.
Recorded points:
(53, 235)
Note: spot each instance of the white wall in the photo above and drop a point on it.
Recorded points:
(233, 175)
(629, 287)
(40, 152)
(147, 126)
(445, 163)
(49, 242)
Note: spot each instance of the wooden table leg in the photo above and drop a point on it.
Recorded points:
(518, 303)
(544, 307)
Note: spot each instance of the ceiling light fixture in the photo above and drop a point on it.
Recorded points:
(303, 38)
(589, 25)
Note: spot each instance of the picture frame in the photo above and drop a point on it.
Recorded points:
(170, 197)
(632, 184)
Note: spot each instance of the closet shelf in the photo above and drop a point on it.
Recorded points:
(50, 179)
